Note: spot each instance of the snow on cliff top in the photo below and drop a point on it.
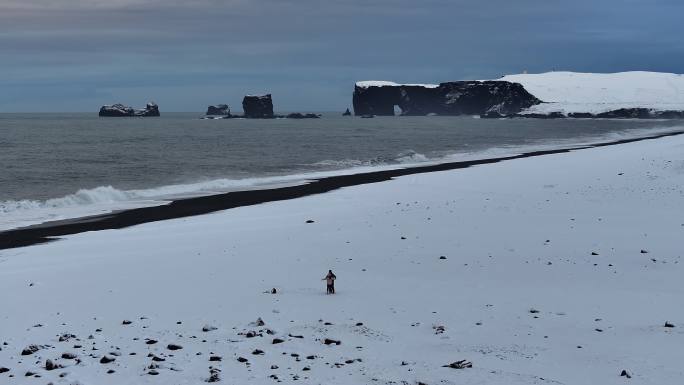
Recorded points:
(382, 83)
(594, 92)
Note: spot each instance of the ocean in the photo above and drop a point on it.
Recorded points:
(57, 166)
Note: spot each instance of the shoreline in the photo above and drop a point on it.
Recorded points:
(188, 207)
(434, 268)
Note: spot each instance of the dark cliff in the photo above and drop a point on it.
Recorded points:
(452, 98)
(258, 106)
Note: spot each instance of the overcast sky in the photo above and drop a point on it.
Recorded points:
(75, 55)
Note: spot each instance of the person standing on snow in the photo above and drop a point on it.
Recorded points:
(330, 280)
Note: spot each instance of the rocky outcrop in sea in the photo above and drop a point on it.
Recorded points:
(119, 110)
(219, 110)
(258, 106)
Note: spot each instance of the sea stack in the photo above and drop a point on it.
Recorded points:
(119, 110)
(258, 106)
(219, 110)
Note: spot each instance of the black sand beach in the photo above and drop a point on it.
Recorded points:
(51, 231)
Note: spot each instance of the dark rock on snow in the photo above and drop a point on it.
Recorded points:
(329, 341)
(174, 347)
(119, 110)
(462, 364)
(347, 113)
(107, 359)
(30, 350)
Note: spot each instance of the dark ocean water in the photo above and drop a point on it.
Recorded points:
(61, 165)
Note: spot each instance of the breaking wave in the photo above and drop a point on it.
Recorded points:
(403, 158)
(103, 199)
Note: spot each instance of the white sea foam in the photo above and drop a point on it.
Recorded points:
(105, 199)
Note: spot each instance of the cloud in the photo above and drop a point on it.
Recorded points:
(171, 50)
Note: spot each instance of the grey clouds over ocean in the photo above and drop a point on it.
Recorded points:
(61, 55)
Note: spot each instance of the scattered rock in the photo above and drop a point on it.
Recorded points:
(153, 372)
(66, 337)
(50, 365)
(214, 375)
(258, 352)
(534, 311)
(669, 325)
(274, 367)
(594, 253)
(215, 358)
(644, 251)
(439, 329)
(107, 359)
(150, 341)
(3, 370)
(30, 350)
(310, 221)
(251, 334)
(208, 328)
(126, 322)
(174, 347)
(625, 373)
(258, 322)
(442, 257)
(462, 364)
(329, 341)
(242, 359)
(277, 341)
(274, 291)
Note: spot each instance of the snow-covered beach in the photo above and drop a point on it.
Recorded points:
(558, 269)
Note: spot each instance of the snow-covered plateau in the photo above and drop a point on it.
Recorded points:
(569, 92)
(635, 94)
(559, 269)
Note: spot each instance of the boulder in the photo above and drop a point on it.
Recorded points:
(219, 110)
(258, 106)
(119, 110)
